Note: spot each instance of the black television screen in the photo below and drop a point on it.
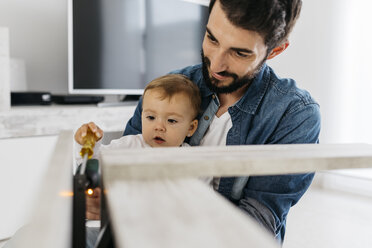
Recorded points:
(118, 46)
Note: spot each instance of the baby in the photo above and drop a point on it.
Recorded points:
(170, 107)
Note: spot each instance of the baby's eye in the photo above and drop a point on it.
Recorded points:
(172, 121)
(150, 117)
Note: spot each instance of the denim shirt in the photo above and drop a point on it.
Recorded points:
(272, 111)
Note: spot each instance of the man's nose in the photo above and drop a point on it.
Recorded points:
(218, 61)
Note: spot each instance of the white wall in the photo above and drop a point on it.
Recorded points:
(38, 34)
(329, 56)
(311, 58)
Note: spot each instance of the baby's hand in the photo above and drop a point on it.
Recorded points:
(84, 129)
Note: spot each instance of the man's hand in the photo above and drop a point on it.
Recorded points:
(83, 130)
(93, 205)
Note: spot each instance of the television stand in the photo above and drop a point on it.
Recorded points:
(127, 100)
(76, 99)
(131, 98)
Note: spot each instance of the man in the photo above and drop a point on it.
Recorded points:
(244, 102)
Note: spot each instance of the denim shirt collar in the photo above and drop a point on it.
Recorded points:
(255, 92)
(252, 97)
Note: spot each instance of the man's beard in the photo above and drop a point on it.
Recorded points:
(237, 83)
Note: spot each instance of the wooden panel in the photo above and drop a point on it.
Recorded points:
(234, 160)
(180, 213)
(152, 204)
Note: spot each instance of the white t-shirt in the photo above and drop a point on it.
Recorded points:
(216, 136)
(217, 132)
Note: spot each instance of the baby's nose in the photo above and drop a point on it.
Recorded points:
(159, 126)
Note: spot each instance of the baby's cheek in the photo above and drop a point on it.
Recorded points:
(145, 135)
(179, 134)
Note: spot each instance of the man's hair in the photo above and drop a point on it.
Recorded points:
(172, 84)
(273, 19)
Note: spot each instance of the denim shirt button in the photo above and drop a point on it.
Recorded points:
(206, 117)
(213, 96)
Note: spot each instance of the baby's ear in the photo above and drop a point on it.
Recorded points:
(193, 127)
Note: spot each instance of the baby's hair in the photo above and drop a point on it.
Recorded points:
(172, 84)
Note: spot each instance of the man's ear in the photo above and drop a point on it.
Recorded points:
(278, 50)
(193, 127)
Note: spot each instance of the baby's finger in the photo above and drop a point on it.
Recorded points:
(80, 134)
(99, 133)
(83, 130)
(96, 130)
(92, 126)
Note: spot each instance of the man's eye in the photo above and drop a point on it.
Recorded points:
(172, 121)
(240, 54)
(211, 38)
(149, 117)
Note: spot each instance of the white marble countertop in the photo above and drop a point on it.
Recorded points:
(50, 120)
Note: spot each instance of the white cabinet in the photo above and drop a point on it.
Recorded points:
(23, 163)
